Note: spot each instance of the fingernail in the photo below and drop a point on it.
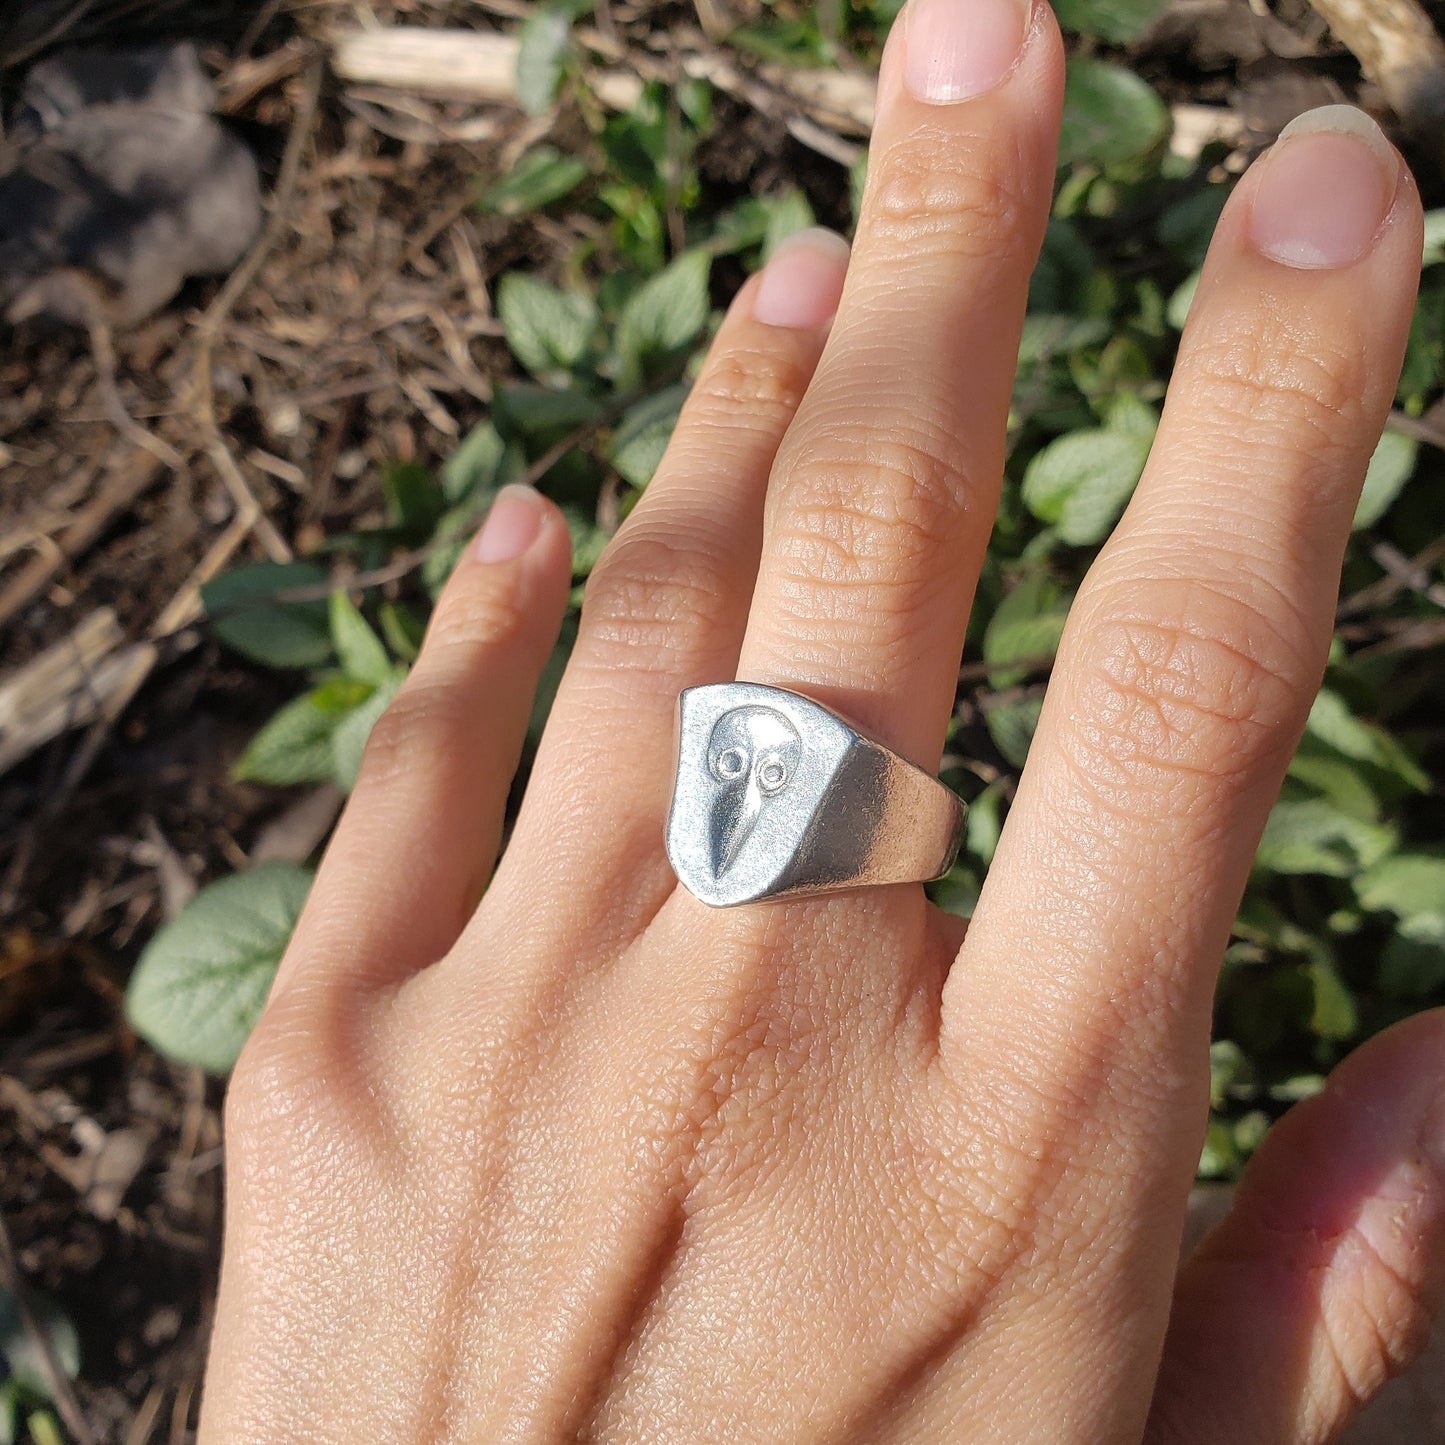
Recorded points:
(803, 280)
(1326, 189)
(954, 49)
(511, 526)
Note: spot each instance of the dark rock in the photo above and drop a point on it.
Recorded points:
(119, 184)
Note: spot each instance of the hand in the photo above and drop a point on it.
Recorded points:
(590, 1159)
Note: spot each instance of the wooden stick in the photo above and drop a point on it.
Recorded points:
(830, 111)
(1401, 51)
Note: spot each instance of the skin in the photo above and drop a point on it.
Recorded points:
(588, 1159)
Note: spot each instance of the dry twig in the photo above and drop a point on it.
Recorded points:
(208, 327)
(139, 471)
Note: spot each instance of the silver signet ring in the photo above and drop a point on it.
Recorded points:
(776, 796)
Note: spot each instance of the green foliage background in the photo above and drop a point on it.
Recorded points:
(1343, 926)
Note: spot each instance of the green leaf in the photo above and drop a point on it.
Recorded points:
(413, 499)
(361, 652)
(1392, 465)
(1188, 226)
(1425, 351)
(956, 892)
(1110, 115)
(295, 746)
(1047, 335)
(18, 1350)
(1025, 627)
(453, 533)
(1180, 303)
(540, 177)
(348, 741)
(1219, 1158)
(788, 214)
(1411, 968)
(548, 329)
(740, 227)
(662, 317)
(245, 615)
(857, 180)
(402, 628)
(1081, 481)
(984, 824)
(1116, 21)
(644, 432)
(1297, 1088)
(1311, 835)
(199, 987)
(1340, 781)
(1012, 725)
(1434, 238)
(475, 464)
(539, 415)
(1230, 1073)
(44, 1428)
(544, 50)
(1334, 1015)
(589, 541)
(1332, 723)
(1412, 887)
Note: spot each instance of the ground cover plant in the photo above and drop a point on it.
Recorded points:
(598, 246)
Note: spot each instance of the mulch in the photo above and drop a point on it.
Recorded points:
(363, 336)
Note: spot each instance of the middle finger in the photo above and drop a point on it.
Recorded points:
(883, 493)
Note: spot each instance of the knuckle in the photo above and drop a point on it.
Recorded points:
(756, 388)
(873, 509)
(426, 719)
(474, 617)
(276, 1088)
(655, 590)
(1311, 388)
(948, 194)
(1187, 679)
(306, 1087)
(1365, 1348)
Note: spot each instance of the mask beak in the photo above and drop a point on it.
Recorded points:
(734, 815)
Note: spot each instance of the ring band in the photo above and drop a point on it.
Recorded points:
(777, 796)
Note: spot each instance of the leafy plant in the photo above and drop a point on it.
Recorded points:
(1342, 928)
(320, 736)
(200, 984)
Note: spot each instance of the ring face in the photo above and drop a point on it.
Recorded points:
(777, 796)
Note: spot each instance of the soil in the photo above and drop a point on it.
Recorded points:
(364, 337)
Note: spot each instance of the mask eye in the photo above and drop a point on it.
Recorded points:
(772, 775)
(730, 764)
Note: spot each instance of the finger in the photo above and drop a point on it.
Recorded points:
(1323, 1279)
(665, 607)
(419, 837)
(884, 491)
(1079, 1006)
